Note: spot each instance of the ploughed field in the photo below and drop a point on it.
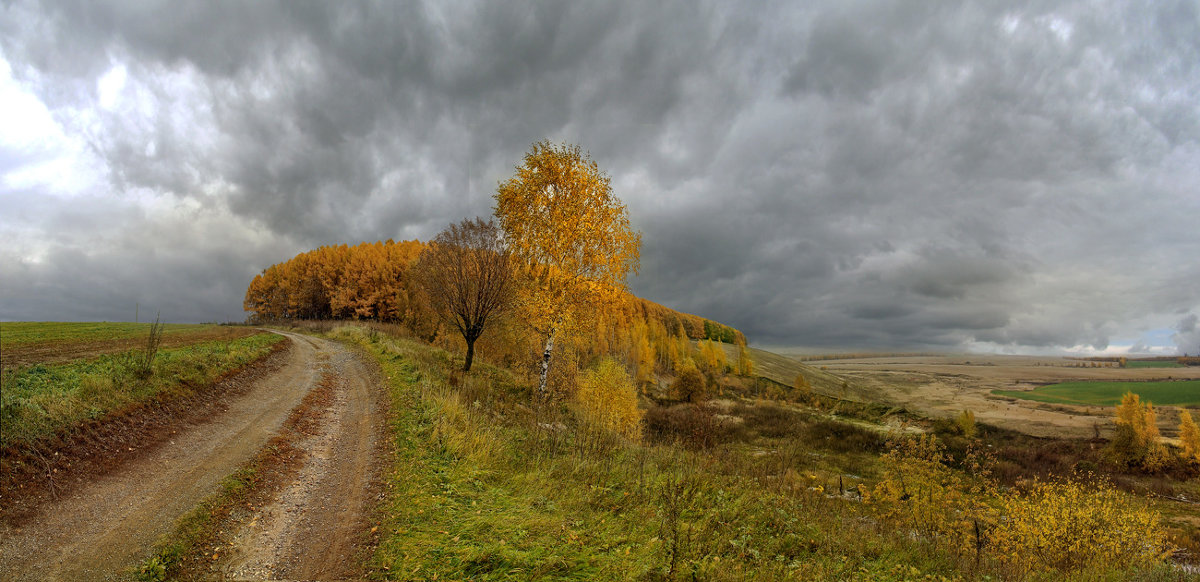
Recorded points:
(1040, 396)
(25, 343)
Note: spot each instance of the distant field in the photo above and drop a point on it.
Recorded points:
(1172, 393)
(20, 333)
(25, 343)
(1152, 364)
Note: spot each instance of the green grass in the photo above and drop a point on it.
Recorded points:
(1151, 364)
(484, 488)
(1171, 393)
(19, 333)
(41, 400)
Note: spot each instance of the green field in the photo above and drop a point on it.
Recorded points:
(1152, 364)
(1171, 393)
(20, 333)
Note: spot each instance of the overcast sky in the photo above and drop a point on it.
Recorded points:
(998, 176)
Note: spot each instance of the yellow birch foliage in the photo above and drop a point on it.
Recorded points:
(1130, 414)
(1070, 526)
(571, 238)
(571, 234)
(920, 493)
(1136, 442)
(644, 356)
(802, 386)
(1189, 437)
(713, 356)
(745, 366)
(608, 399)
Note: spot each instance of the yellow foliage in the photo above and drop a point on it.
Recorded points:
(1136, 441)
(966, 424)
(745, 366)
(608, 398)
(1054, 527)
(568, 230)
(803, 388)
(689, 385)
(919, 492)
(1130, 414)
(570, 236)
(712, 355)
(1070, 526)
(1189, 437)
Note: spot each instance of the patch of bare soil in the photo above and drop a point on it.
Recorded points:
(102, 527)
(65, 351)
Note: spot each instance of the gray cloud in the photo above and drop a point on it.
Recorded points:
(987, 175)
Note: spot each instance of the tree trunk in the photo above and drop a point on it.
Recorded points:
(546, 364)
(470, 354)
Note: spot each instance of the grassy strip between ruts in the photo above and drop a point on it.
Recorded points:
(1169, 393)
(184, 554)
(40, 401)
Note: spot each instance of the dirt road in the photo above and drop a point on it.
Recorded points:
(104, 527)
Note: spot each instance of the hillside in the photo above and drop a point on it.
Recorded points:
(784, 370)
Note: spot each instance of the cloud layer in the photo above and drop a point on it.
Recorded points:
(988, 175)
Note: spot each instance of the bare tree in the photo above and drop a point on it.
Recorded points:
(466, 271)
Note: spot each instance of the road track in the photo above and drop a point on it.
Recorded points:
(106, 526)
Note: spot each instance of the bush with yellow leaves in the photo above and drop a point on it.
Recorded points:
(1071, 526)
(607, 398)
(1189, 437)
(1136, 443)
(1061, 527)
(919, 492)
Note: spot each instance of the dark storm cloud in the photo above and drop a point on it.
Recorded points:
(870, 174)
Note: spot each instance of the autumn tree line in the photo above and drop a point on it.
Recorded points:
(542, 282)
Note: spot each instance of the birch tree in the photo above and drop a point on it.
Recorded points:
(570, 236)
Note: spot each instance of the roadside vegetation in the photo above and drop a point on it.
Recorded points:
(492, 483)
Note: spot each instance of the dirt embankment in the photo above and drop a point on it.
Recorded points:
(102, 527)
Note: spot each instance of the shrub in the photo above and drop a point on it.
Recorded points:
(920, 493)
(1135, 444)
(966, 424)
(1189, 437)
(608, 398)
(688, 424)
(1071, 526)
(690, 385)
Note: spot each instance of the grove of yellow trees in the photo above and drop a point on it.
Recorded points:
(376, 282)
